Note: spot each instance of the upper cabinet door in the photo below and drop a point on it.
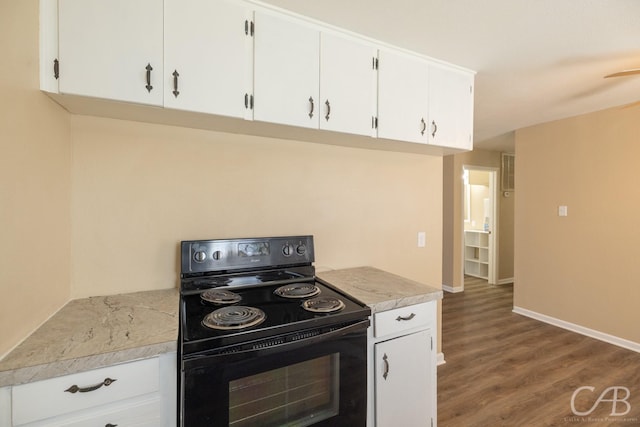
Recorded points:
(111, 49)
(347, 85)
(450, 108)
(286, 71)
(402, 97)
(207, 56)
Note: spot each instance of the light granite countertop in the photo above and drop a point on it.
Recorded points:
(378, 289)
(93, 332)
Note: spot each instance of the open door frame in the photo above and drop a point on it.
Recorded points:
(493, 224)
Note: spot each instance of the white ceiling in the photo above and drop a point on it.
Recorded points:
(536, 60)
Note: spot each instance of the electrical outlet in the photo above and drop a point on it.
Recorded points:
(562, 211)
(422, 239)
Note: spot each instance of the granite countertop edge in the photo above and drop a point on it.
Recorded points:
(28, 374)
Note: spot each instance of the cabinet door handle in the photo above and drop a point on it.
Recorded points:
(312, 107)
(385, 359)
(110, 425)
(434, 126)
(75, 389)
(175, 75)
(328, 110)
(248, 101)
(56, 68)
(149, 68)
(424, 126)
(409, 317)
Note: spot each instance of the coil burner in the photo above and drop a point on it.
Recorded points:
(234, 317)
(297, 290)
(220, 296)
(323, 305)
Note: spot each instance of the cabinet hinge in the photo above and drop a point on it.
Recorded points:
(374, 63)
(56, 68)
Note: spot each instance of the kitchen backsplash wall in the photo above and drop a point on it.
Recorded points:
(138, 189)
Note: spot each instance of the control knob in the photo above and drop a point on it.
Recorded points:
(287, 249)
(199, 256)
(301, 249)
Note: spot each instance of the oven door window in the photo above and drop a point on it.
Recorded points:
(297, 395)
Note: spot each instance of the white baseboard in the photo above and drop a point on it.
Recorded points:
(440, 359)
(611, 339)
(507, 281)
(452, 289)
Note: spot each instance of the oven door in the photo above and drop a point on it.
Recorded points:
(302, 379)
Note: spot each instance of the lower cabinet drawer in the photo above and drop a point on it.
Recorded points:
(135, 413)
(71, 393)
(404, 319)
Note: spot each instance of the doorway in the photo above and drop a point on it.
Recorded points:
(480, 222)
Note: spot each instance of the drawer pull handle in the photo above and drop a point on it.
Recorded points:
(111, 425)
(386, 366)
(411, 316)
(75, 389)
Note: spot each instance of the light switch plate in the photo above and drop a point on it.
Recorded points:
(422, 239)
(562, 210)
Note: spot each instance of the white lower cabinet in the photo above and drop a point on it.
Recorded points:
(403, 373)
(140, 393)
(5, 406)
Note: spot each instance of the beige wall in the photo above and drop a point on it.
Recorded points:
(35, 183)
(580, 268)
(138, 189)
(453, 221)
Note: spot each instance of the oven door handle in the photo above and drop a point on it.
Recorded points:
(204, 359)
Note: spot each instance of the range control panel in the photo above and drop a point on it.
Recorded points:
(199, 256)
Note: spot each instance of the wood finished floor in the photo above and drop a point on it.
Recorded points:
(503, 369)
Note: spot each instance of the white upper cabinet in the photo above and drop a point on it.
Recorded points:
(402, 97)
(207, 60)
(286, 71)
(245, 59)
(450, 108)
(347, 85)
(111, 49)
